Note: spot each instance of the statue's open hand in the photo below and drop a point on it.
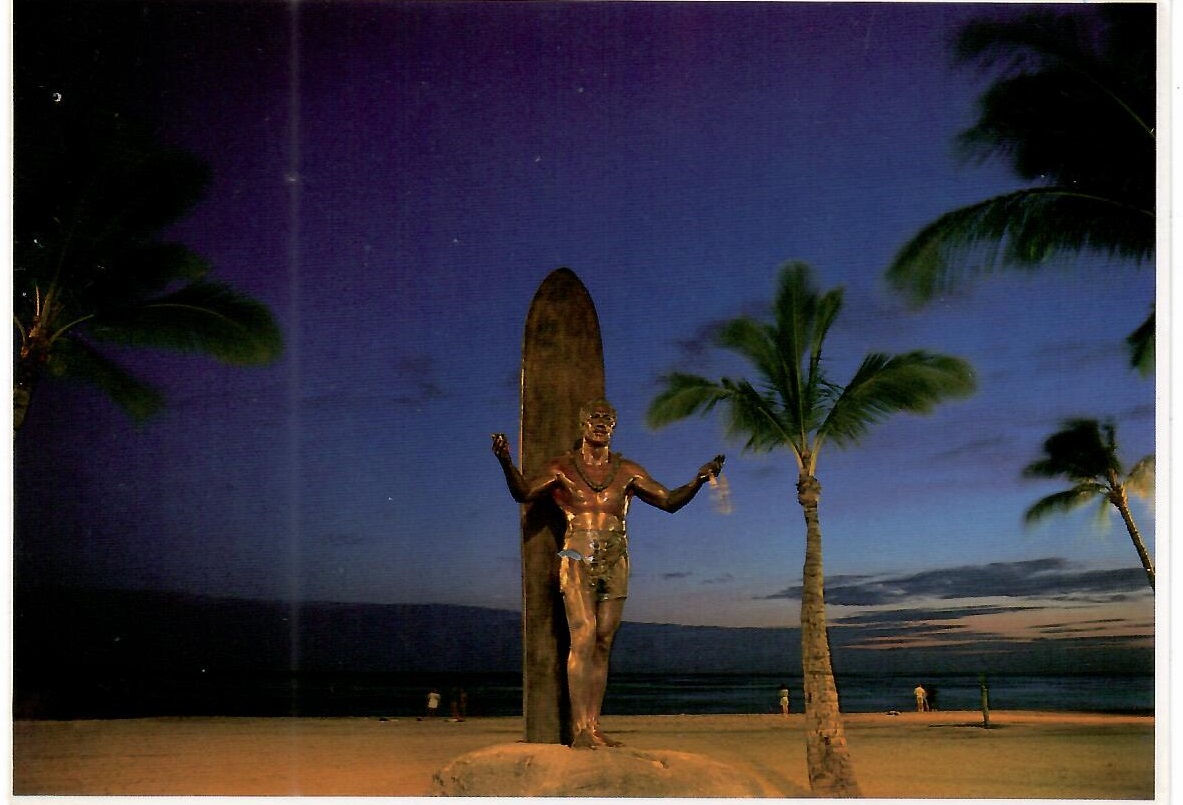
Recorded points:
(500, 445)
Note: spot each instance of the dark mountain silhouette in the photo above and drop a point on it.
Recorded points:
(174, 632)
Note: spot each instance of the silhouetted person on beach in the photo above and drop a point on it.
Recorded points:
(593, 487)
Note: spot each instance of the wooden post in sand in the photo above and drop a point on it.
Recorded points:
(985, 703)
(562, 368)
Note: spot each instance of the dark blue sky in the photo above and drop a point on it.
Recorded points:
(395, 180)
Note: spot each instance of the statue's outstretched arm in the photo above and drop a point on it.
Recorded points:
(523, 491)
(670, 500)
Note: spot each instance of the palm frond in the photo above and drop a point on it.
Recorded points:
(73, 359)
(1032, 122)
(802, 319)
(757, 417)
(1111, 49)
(1065, 501)
(886, 384)
(101, 179)
(203, 317)
(1076, 452)
(146, 187)
(153, 267)
(794, 309)
(796, 406)
(1140, 481)
(817, 391)
(137, 273)
(1103, 515)
(1028, 43)
(760, 345)
(749, 413)
(1015, 231)
(91, 194)
(829, 305)
(1055, 76)
(754, 341)
(684, 395)
(1141, 346)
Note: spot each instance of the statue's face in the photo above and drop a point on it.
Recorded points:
(599, 424)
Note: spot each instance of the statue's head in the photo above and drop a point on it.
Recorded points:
(592, 406)
(597, 420)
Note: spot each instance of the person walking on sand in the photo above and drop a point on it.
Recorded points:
(593, 487)
(784, 700)
(433, 703)
(921, 698)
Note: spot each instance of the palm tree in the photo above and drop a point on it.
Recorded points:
(90, 195)
(1072, 113)
(796, 407)
(1084, 452)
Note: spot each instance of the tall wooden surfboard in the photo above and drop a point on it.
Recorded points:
(562, 368)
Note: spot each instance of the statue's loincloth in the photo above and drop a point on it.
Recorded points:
(597, 559)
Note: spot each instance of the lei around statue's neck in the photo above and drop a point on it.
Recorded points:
(578, 460)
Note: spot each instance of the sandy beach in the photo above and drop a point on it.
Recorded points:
(940, 754)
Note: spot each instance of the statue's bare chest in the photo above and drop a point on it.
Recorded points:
(599, 487)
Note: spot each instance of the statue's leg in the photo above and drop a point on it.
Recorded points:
(608, 617)
(580, 605)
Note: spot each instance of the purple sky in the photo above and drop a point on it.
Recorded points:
(395, 180)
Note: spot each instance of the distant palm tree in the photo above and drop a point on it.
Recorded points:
(91, 195)
(796, 407)
(1072, 111)
(1085, 453)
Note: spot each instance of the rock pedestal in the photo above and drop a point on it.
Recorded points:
(549, 770)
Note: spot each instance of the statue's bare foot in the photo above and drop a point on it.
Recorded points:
(584, 740)
(604, 740)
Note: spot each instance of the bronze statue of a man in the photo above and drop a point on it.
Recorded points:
(594, 487)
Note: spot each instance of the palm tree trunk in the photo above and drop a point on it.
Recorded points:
(1121, 502)
(25, 375)
(831, 773)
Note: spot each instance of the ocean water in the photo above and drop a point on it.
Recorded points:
(393, 695)
(862, 694)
